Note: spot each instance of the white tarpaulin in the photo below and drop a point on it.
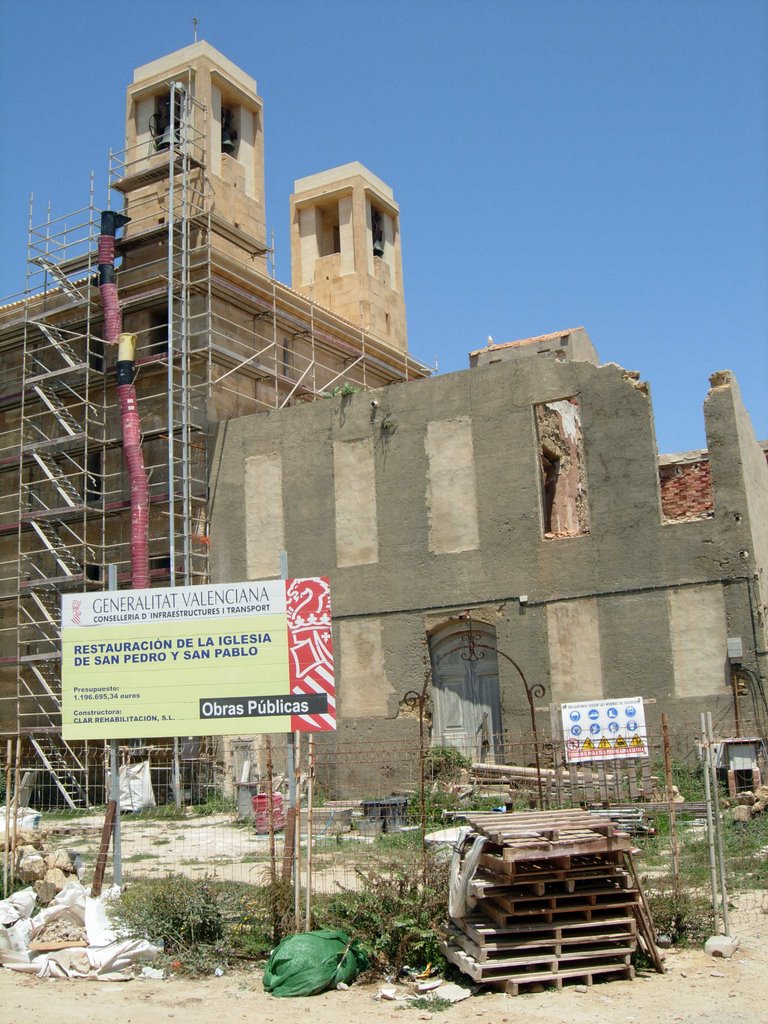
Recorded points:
(103, 954)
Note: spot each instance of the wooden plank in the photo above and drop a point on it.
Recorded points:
(106, 838)
(589, 785)
(555, 727)
(645, 771)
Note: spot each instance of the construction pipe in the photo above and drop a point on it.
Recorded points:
(111, 221)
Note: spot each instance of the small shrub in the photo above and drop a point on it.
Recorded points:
(262, 916)
(398, 919)
(685, 916)
(445, 764)
(180, 914)
(432, 1003)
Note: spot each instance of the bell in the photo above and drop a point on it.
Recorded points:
(163, 140)
(227, 141)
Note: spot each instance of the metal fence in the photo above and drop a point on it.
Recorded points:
(363, 807)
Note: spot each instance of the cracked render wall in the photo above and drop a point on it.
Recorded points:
(429, 502)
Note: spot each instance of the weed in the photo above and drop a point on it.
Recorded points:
(432, 1003)
(445, 764)
(215, 803)
(175, 912)
(685, 916)
(397, 917)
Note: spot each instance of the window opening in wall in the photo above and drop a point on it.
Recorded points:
(94, 480)
(228, 132)
(158, 330)
(329, 231)
(565, 511)
(288, 354)
(377, 232)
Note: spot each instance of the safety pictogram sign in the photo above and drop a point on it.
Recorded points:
(604, 729)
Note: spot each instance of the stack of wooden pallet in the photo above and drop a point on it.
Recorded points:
(556, 899)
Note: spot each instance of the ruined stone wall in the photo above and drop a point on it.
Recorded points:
(423, 500)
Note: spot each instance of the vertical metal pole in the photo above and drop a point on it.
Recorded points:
(7, 835)
(15, 806)
(290, 769)
(114, 777)
(310, 808)
(710, 822)
(297, 839)
(718, 828)
(671, 803)
(176, 774)
(171, 245)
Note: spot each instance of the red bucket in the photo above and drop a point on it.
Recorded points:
(261, 812)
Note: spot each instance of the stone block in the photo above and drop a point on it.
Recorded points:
(32, 867)
(57, 878)
(62, 861)
(739, 814)
(45, 891)
(722, 945)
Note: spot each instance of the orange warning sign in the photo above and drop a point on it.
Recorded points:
(604, 742)
(587, 744)
(636, 742)
(620, 742)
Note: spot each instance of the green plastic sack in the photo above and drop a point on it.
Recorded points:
(311, 962)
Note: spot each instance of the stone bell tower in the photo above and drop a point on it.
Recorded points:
(199, 113)
(345, 249)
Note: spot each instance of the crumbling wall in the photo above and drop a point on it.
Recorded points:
(563, 474)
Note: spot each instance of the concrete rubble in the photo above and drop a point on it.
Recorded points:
(70, 938)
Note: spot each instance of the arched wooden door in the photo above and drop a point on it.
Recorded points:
(466, 709)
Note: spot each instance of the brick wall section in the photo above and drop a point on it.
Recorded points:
(686, 490)
(686, 487)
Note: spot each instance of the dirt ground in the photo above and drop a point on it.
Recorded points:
(695, 988)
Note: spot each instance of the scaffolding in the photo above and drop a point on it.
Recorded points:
(217, 337)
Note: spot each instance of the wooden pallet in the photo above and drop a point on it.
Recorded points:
(485, 884)
(538, 858)
(589, 945)
(545, 968)
(624, 973)
(483, 930)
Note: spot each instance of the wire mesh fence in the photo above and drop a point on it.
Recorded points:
(372, 808)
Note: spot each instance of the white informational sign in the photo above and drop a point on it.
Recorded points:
(598, 729)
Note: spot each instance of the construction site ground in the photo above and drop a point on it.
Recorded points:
(695, 988)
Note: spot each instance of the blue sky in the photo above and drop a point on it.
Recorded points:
(557, 162)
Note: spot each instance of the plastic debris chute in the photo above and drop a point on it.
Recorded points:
(126, 395)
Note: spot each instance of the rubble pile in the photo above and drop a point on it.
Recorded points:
(46, 870)
(747, 805)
